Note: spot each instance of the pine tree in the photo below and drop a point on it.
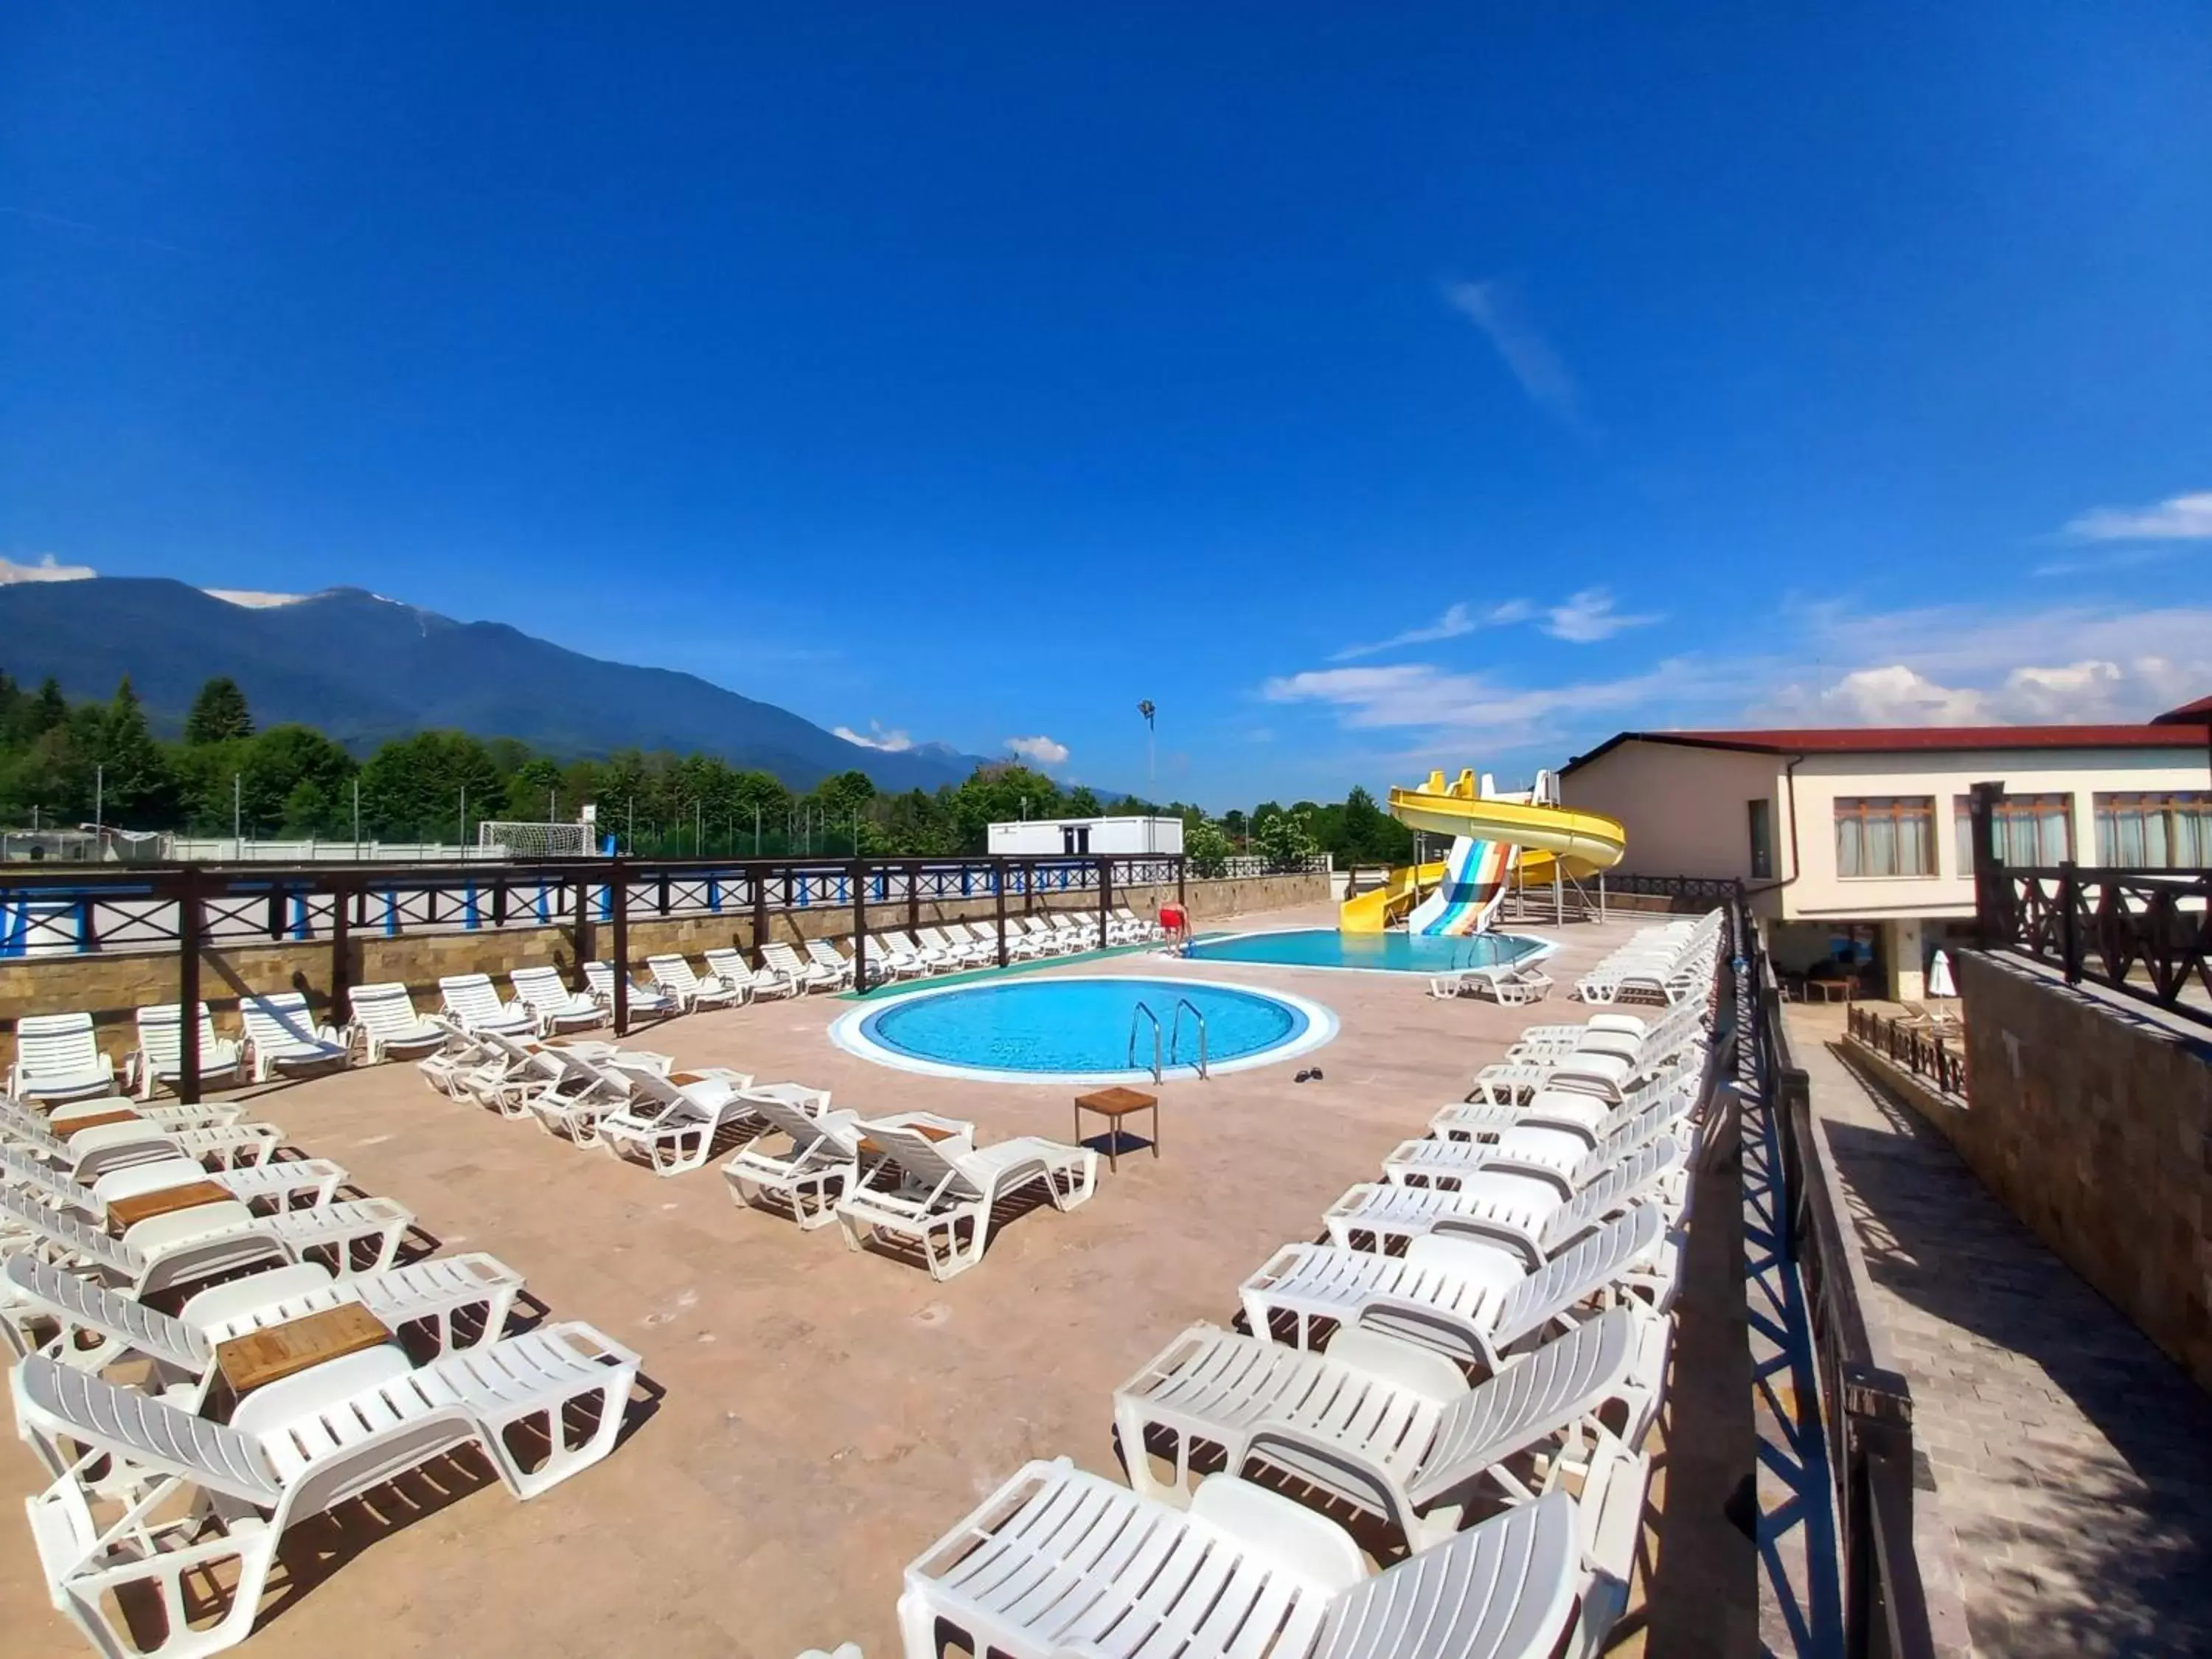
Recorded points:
(48, 709)
(219, 713)
(138, 787)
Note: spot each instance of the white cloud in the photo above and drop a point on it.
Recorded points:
(1493, 309)
(1967, 666)
(1038, 751)
(2176, 519)
(1421, 696)
(874, 738)
(1457, 619)
(1589, 616)
(251, 599)
(47, 569)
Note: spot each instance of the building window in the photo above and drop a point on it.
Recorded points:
(1886, 835)
(2031, 831)
(2165, 830)
(1762, 840)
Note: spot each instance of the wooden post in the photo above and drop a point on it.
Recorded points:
(341, 968)
(998, 887)
(1983, 799)
(1182, 866)
(584, 943)
(1105, 895)
(618, 895)
(760, 908)
(188, 983)
(913, 899)
(860, 924)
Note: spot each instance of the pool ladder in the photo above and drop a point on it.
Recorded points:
(1174, 1039)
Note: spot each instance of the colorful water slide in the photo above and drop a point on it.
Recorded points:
(1539, 833)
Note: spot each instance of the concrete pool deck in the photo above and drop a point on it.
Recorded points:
(826, 1415)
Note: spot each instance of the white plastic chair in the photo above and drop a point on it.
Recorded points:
(159, 1060)
(542, 990)
(58, 1058)
(385, 1026)
(284, 1039)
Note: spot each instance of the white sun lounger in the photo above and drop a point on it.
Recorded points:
(769, 980)
(887, 961)
(1510, 984)
(281, 1184)
(385, 1024)
(98, 1327)
(827, 956)
(822, 1162)
(1455, 1295)
(85, 1155)
(1563, 1158)
(933, 961)
(158, 1062)
(58, 1058)
(291, 1451)
(671, 1123)
(1588, 1116)
(285, 1041)
(542, 991)
(1395, 1430)
(944, 1188)
(1526, 1215)
(674, 975)
(1059, 1562)
(645, 1001)
(472, 1002)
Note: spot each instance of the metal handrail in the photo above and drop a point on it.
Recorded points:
(1174, 1034)
(1146, 1009)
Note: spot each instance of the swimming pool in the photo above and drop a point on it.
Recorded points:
(1391, 953)
(1077, 1029)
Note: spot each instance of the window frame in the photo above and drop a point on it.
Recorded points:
(2106, 805)
(2034, 807)
(1900, 809)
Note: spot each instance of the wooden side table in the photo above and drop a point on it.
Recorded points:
(1114, 1105)
(127, 1212)
(260, 1357)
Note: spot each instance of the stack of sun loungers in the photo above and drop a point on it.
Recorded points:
(1669, 964)
(1470, 1364)
(165, 1487)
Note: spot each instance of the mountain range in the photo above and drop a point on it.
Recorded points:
(363, 669)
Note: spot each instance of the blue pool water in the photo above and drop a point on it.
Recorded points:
(1068, 1029)
(1398, 953)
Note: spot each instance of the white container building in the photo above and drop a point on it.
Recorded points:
(1086, 837)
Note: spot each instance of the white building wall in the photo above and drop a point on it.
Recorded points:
(1047, 837)
(1686, 811)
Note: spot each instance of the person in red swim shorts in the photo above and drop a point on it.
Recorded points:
(1176, 921)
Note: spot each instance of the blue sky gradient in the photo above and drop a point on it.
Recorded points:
(1371, 391)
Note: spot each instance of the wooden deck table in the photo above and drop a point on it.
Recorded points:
(127, 1212)
(260, 1357)
(1114, 1105)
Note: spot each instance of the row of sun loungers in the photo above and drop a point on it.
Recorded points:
(1471, 1362)
(163, 1488)
(1668, 964)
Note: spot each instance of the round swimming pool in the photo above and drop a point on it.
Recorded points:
(1392, 953)
(1080, 1028)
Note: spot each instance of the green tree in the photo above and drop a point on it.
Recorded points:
(219, 713)
(412, 788)
(293, 781)
(135, 788)
(1083, 803)
(1284, 839)
(1207, 848)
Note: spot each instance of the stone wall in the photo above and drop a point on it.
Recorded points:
(2093, 1125)
(114, 985)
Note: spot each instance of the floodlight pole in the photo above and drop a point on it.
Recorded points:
(99, 798)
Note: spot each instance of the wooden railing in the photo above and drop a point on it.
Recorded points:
(2144, 933)
(1918, 1050)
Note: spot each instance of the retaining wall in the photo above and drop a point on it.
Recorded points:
(113, 984)
(2093, 1125)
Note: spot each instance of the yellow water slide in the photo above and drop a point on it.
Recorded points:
(1580, 843)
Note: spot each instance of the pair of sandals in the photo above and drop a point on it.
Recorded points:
(1311, 1074)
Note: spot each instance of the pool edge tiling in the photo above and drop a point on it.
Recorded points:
(1446, 948)
(850, 1033)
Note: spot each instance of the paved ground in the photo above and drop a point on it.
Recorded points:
(2070, 1460)
(826, 1415)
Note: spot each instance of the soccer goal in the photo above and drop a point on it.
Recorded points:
(535, 840)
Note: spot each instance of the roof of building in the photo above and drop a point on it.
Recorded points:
(2190, 714)
(1889, 739)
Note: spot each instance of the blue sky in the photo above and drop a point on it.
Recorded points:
(1371, 390)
